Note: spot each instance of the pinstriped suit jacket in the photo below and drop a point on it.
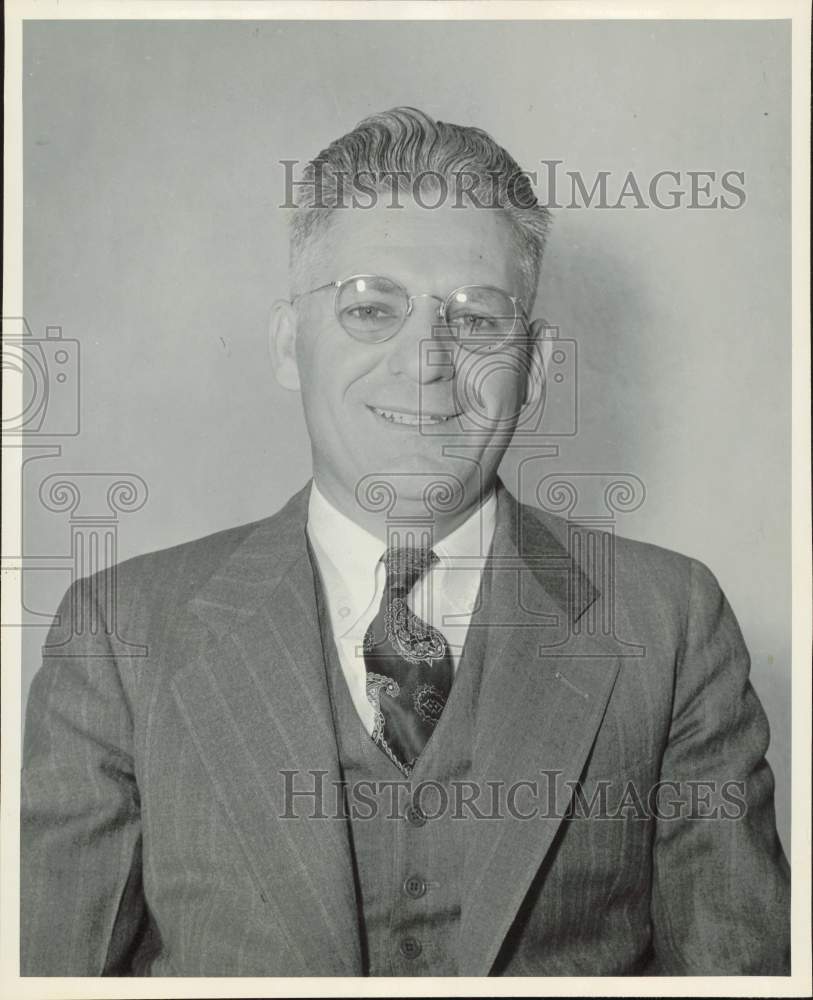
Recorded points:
(153, 837)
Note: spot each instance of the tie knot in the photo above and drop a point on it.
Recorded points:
(405, 566)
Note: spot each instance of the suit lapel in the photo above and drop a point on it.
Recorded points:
(535, 713)
(256, 704)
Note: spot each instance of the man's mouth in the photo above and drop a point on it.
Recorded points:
(411, 419)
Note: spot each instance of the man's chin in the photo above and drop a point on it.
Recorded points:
(421, 463)
(416, 481)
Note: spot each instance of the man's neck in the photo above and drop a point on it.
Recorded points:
(405, 512)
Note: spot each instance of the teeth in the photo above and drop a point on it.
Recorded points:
(413, 420)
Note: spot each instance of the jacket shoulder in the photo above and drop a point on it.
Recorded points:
(168, 578)
(192, 562)
(632, 560)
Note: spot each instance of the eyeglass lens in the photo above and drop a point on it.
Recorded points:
(373, 308)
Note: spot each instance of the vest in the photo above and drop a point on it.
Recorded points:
(407, 848)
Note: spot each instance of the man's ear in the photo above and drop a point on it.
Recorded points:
(535, 384)
(282, 344)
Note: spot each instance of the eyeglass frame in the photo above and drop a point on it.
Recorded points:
(516, 302)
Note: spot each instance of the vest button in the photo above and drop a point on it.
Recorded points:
(414, 886)
(410, 947)
(414, 816)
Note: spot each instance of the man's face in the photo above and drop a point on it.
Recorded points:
(346, 384)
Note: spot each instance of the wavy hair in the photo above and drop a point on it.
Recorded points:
(403, 144)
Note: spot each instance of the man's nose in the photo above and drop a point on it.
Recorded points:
(419, 349)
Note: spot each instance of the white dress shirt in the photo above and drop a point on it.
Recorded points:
(353, 580)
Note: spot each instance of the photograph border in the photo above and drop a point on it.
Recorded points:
(800, 982)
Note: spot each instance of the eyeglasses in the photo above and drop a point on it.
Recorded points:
(373, 308)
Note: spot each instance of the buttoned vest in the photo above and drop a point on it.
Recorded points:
(408, 849)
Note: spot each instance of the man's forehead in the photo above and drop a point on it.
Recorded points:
(465, 244)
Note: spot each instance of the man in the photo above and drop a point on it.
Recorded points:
(378, 733)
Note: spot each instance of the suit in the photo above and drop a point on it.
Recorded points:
(153, 831)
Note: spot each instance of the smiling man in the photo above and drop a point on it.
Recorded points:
(378, 733)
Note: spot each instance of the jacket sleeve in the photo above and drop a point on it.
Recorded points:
(82, 909)
(721, 896)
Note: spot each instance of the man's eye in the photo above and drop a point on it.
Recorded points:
(368, 313)
(475, 322)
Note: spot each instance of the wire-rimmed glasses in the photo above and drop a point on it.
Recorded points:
(372, 308)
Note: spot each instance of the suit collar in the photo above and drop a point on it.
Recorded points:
(248, 578)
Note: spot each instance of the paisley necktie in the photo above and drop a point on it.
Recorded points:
(409, 668)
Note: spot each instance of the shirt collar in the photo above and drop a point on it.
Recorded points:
(462, 555)
(348, 556)
(470, 541)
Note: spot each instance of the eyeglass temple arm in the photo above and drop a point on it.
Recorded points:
(310, 291)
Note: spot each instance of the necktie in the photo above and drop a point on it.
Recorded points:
(409, 668)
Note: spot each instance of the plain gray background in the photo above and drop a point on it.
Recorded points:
(153, 236)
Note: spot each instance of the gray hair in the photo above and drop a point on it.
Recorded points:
(401, 145)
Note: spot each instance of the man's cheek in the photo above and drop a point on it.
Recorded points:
(497, 395)
(320, 371)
